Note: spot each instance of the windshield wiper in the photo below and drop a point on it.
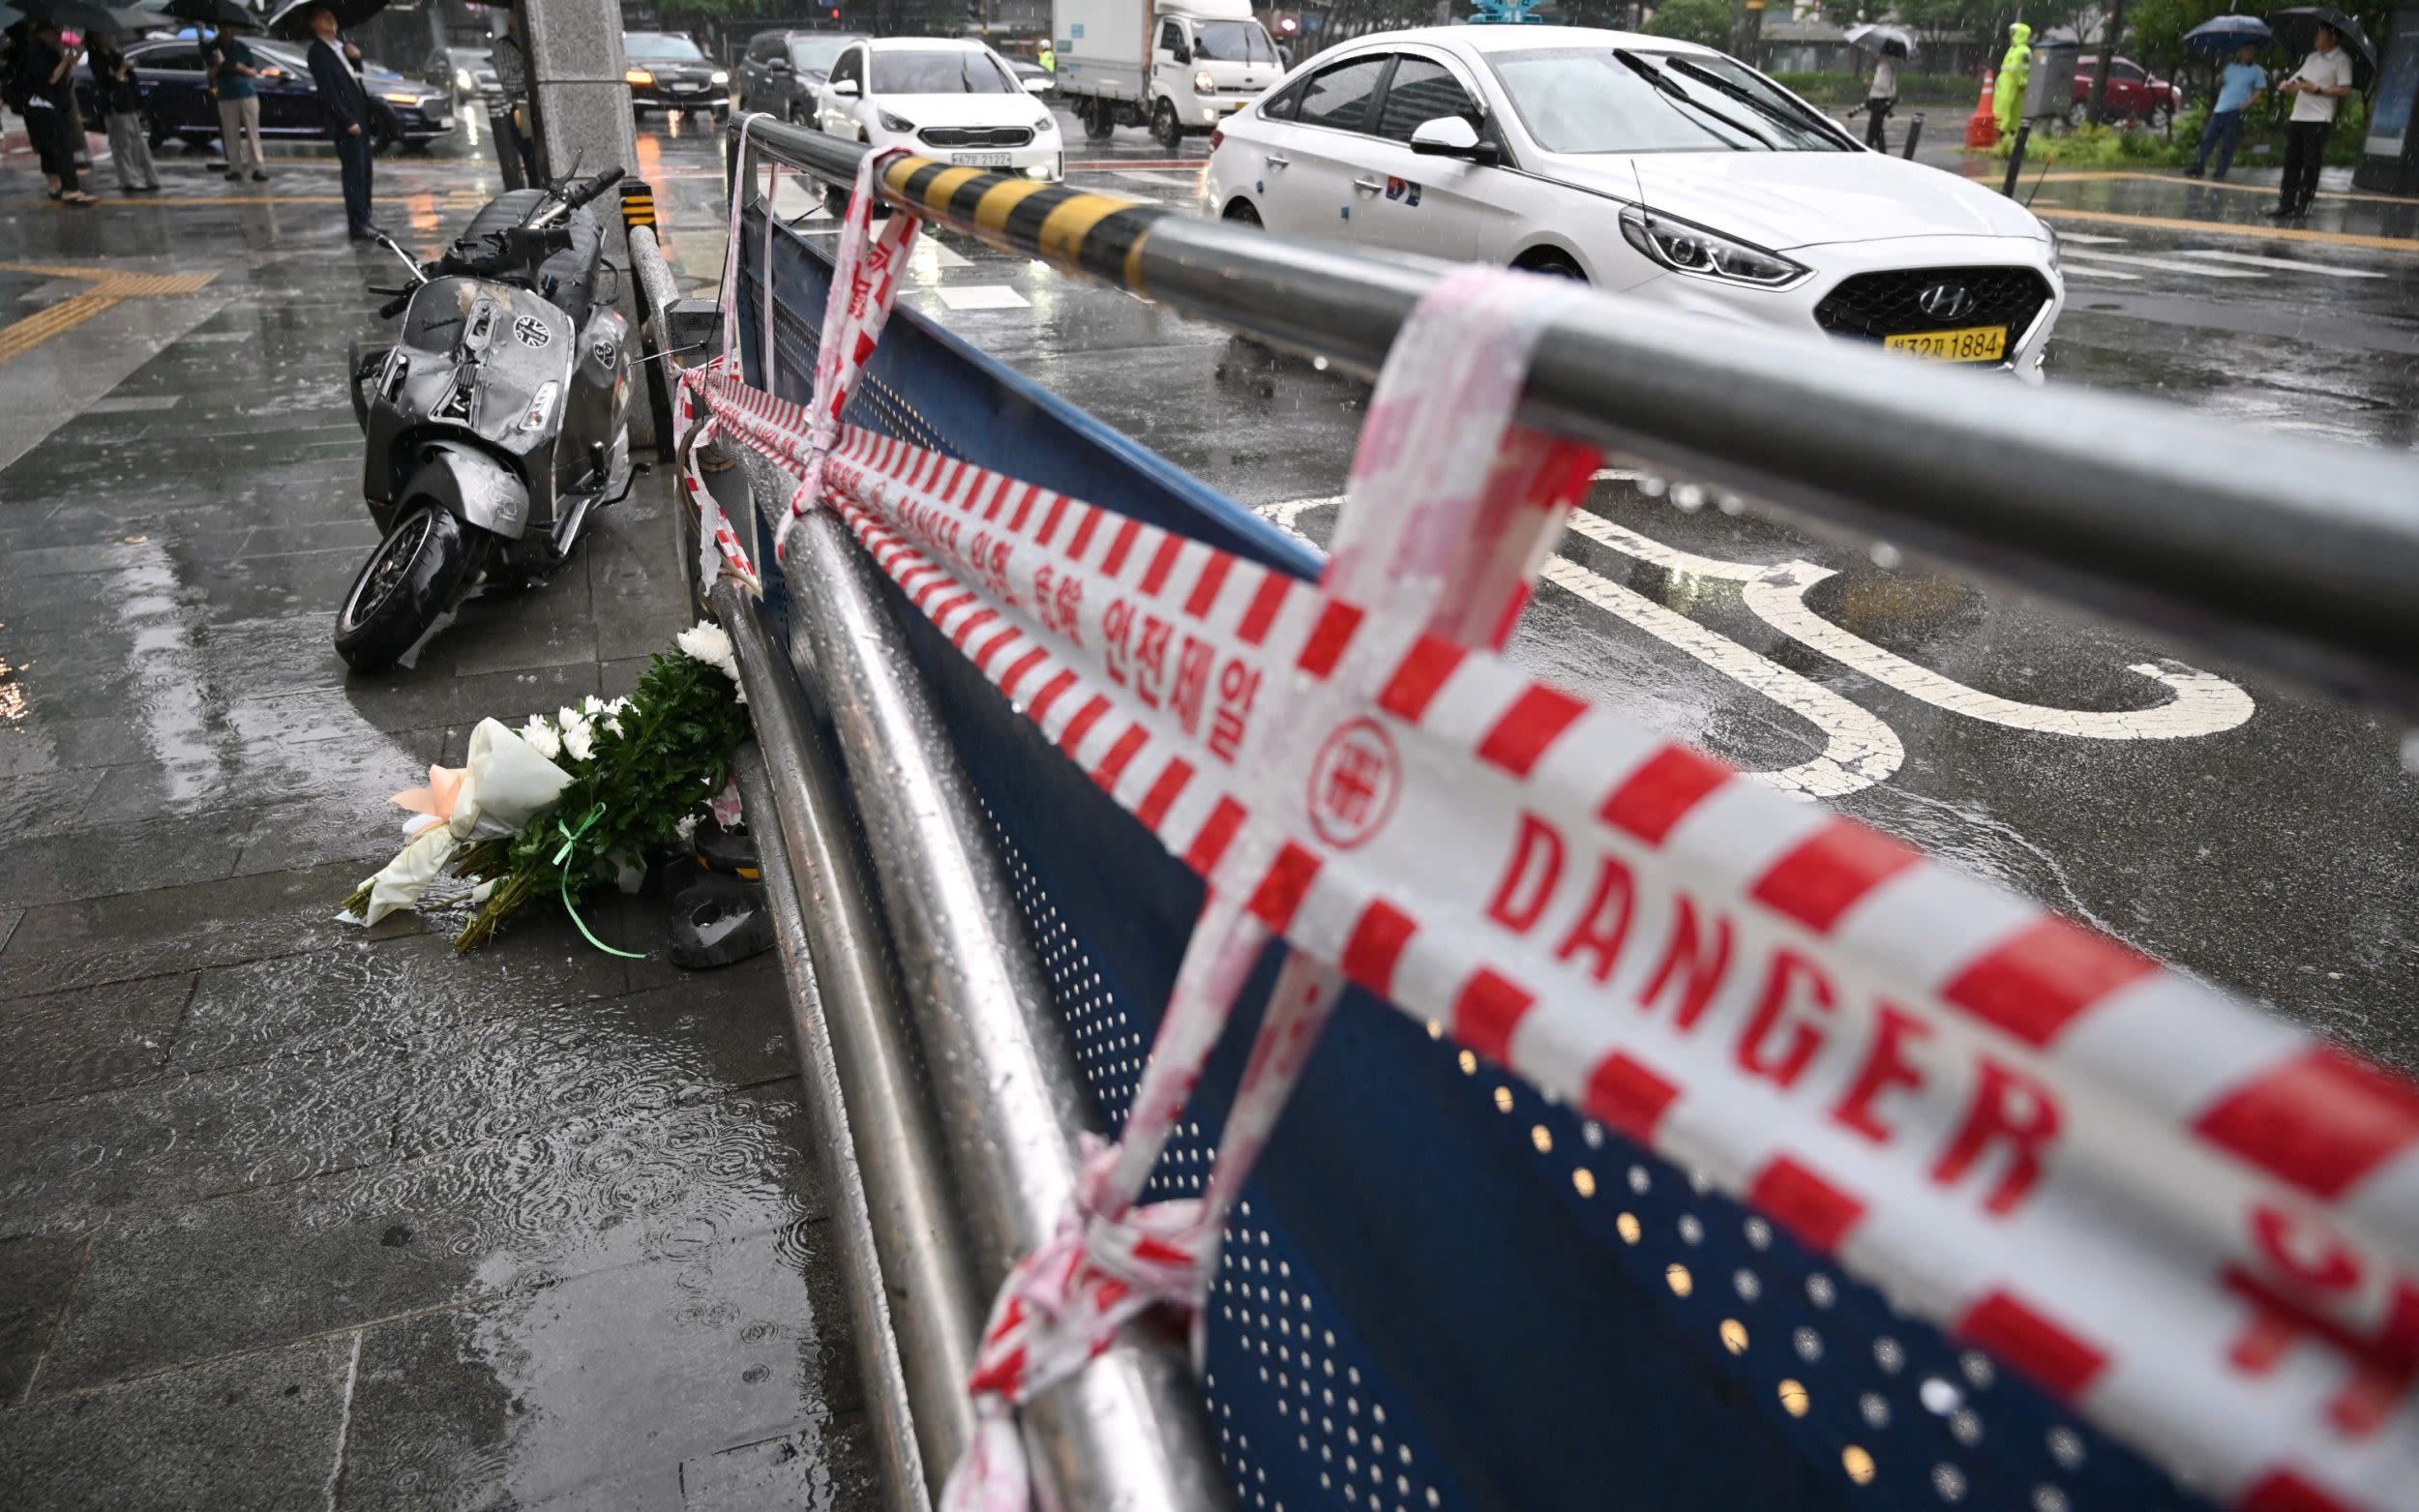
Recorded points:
(1771, 110)
(1679, 96)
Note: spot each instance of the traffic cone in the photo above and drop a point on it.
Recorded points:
(1981, 128)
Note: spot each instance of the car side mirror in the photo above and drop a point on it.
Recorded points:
(1037, 86)
(1451, 137)
(846, 87)
(778, 65)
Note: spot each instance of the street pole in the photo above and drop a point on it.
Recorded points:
(2109, 31)
(1751, 35)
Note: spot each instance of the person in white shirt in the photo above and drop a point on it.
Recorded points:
(2324, 78)
(1881, 97)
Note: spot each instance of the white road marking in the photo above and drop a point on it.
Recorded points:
(2081, 239)
(1859, 750)
(1178, 180)
(2203, 705)
(2076, 271)
(2164, 265)
(932, 252)
(2254, 260)
(980, 296)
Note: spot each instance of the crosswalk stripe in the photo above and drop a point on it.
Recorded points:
(2163, 264)
(2090, 241)
(2103, 272)
(981, 296)
(2254, 260)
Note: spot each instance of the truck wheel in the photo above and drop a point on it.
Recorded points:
(1099, 120)
(1164, 127)
(417, 572)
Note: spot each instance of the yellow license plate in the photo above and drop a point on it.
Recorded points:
(1974, 344)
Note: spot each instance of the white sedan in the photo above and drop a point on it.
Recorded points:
(955, 101)
(1641, 165)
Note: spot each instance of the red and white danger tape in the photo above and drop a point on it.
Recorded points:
(2192, 1222)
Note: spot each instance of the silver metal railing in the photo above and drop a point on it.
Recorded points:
(2290, 555)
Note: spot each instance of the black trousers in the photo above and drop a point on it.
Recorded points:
(1876, 120)
(55, 140)
(2305, 149)
(352, 155)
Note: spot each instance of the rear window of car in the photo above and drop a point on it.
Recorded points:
(817, 53)
(181, 55)
(1339, 97)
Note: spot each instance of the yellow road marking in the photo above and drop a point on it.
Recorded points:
(2266, 233)
(23, 336)
(110, 289)
(2115, 176)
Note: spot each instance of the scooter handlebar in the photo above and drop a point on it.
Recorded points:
(592, 188)
(396, 306)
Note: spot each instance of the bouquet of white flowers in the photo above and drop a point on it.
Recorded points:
(628, 777)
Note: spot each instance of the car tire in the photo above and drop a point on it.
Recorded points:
(1553, 264)
(1242, 212)
(416, 573)
(1165, 129)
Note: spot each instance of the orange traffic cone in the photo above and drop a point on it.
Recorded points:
(1981, 128)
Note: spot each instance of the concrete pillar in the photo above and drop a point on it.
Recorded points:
(583, 109)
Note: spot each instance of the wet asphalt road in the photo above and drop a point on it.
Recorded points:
(2276, 854)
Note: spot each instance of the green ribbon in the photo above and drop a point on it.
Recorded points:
(571, 843)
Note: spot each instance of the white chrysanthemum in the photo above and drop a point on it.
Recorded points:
(686, 828)
(591, 705)
(540, 736)
(710, 643)
(580, 739)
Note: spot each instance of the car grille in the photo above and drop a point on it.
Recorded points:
(977, 135)
(1871, 305)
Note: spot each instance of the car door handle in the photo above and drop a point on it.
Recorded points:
(1279, 160)
(1369, 185)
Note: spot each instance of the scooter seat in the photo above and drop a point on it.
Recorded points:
(572, 271)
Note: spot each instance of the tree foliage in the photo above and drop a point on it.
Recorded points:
(1704, 22)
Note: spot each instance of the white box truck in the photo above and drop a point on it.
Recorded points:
(1178, 66)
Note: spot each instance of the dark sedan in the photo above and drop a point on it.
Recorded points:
(781, 71)
(177, 103)
(669, 72)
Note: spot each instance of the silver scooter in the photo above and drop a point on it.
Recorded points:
(495, 424)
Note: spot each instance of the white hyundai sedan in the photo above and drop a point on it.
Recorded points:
(955, 101)
(1641, 165)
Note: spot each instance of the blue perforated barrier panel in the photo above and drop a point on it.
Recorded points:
(1442, 1290)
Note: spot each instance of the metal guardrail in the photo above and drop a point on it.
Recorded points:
(2291, 555)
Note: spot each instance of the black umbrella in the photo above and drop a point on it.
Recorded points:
(2297, 30)
(213, 12)
(293, 22)
(74, 16)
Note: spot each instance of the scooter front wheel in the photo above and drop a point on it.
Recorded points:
(417, 572)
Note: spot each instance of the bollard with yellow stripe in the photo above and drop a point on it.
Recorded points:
(638, 204)
(1073, 229)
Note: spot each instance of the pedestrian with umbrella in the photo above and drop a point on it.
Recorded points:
(122, 107)
(1889, 46)
(336, 71)
(42, 87)
(233, 66)
(2318, 86)
(2240, 84)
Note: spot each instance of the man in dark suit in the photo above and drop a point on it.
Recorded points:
(336, 71)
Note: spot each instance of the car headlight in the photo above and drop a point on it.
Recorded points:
(401, 100)
(720, 76)
(2053, 234)
(637, 76)
(1691, 249)
(1047, 126)
(1203, 83)
(463, 80)
(896, 123)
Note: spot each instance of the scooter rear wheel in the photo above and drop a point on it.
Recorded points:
(417, 572)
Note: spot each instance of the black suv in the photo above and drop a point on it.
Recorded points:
(666, 72)
(780, 69)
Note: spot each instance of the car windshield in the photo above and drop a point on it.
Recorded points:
(470, 57)
(663, 49)
(817, 53)
(1588, 100)
(1232, 42)
(940, 70)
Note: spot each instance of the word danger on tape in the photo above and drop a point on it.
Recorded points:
(2191, 1222)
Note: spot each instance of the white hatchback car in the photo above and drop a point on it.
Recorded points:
(1650, 166)
(955, 101)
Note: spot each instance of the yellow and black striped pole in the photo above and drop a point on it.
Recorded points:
(638, 203)
(1073, 230)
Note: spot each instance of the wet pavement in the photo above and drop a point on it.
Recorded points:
(2244, 831)
(291, 1214)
